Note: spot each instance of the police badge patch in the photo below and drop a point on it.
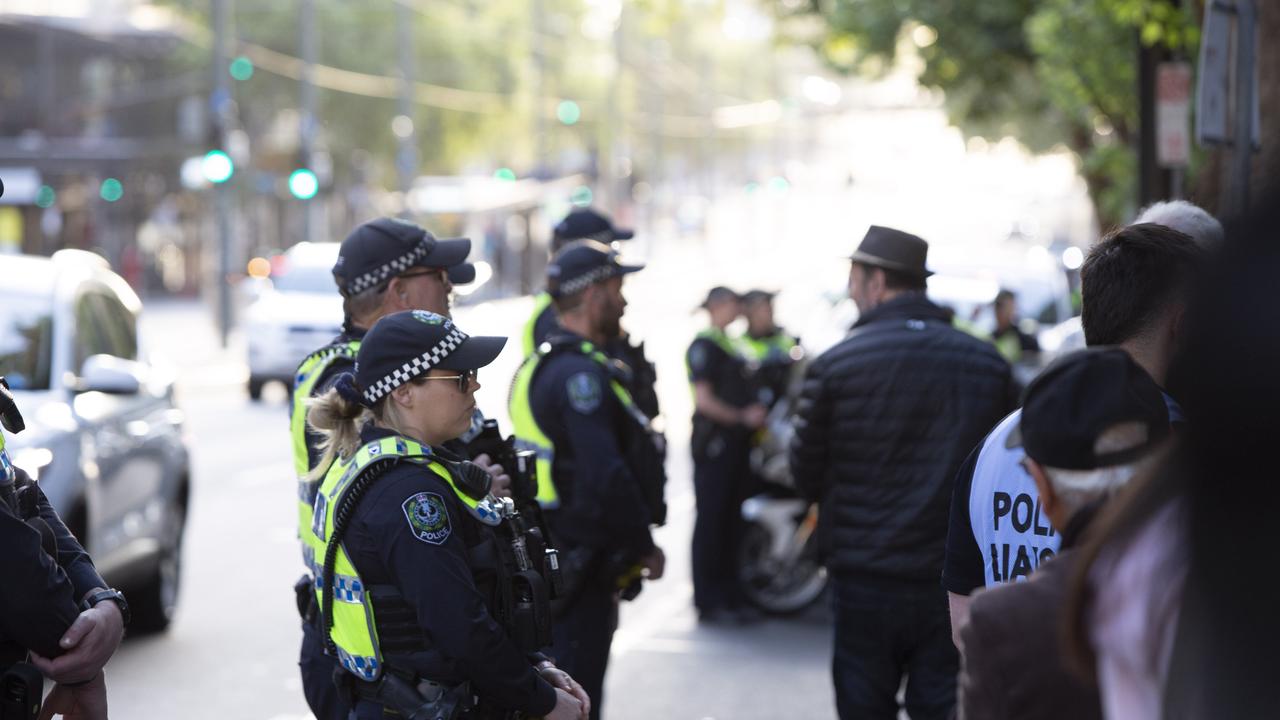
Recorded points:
(584, 392)
(428, 518)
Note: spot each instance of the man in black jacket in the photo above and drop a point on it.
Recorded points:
(884, 420)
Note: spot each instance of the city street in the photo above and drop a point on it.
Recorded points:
(232, 650)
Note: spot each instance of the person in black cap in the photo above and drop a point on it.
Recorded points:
(600, 474)
(883, 421)
(1089, 423)
(770, 352)
(384, 266)
(588, 224)
(724, 416)
(416, 597)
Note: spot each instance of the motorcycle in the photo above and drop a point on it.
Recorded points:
(778, 566)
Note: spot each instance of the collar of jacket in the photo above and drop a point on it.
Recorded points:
(909, 305)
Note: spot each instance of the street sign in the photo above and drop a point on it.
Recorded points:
(1215, 91)
(1173, 114)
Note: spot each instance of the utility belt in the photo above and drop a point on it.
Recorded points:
(409, 697)
(21, 692)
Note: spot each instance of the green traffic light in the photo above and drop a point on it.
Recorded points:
(505, 174)
(303, 184)
(241, 68)
(581, 196)
(112, 190)
(568, 112)
(45, 197)
(217, 166)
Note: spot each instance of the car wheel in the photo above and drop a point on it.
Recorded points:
(255, 388)
(154, 602)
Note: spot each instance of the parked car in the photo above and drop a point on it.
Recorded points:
(104, 436)
(296, 310)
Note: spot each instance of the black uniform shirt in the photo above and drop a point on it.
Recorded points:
(39, 594)
(726, 371)
(545, 325)
(602, 506)
(429, 567)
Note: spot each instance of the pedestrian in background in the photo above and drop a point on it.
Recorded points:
(883, 422)
(1090, 423)
(724, 416)
(1012, 342)
(770, 352)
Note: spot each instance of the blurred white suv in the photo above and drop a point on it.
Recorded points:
(296, 311)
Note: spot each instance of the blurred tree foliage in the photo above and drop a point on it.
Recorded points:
(1052, 73)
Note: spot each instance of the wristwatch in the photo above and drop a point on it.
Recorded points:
(111, 594)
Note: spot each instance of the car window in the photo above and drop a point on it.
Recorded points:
(118, 325)
(90, 337)
(306, 279)
(26, 340)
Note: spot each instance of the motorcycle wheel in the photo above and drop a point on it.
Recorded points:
(770, 586)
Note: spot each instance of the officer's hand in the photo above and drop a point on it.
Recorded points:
(655, 563)
(561, 680)
(753, 416)
(79, 702)
(567, 707)
(501, 481)
(87, 645)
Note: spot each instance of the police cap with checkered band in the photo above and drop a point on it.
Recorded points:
(405, 345)
(381, 249)
(582, 263)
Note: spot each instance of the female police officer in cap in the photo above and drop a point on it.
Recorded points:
(410, 577)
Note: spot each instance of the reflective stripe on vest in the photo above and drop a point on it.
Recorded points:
(1012, 533)
(759, 350)
(529, 436)
(528, 343)
(304, 382)
(354, 630)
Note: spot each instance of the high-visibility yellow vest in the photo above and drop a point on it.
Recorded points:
(529, 436)
(778, 345)
(304, 383)
(529, 343)
(353, 630)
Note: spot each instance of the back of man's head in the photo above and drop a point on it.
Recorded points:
(1186, 218)
(1129, 279)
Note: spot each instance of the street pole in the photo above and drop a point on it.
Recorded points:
(407, 150)
(222, 191)
(307, 118)
(539, 90)
(1246, 18)
(1154, 182)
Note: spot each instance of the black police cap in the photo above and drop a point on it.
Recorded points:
(381, 249)
(588, 224)
(1079, 398)
(401, 346)
(581, 263)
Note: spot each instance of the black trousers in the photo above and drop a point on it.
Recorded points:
(721, 481)
(581, 638)
(885, 630)
(317, 676)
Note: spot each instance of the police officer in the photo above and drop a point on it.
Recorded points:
(640, 376)
(54, 607)
(421, 591)
(725, 415)
(770, 352)
(384, 266)
(600, 469)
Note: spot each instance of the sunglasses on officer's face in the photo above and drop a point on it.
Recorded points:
(464, 380)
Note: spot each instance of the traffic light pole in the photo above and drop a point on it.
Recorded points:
(222, 191)
(307, 131)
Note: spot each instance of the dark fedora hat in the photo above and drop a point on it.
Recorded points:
(893, 250)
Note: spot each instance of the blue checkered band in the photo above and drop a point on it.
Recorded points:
(395, 267)
(307, 490)
(348, 589)
(415, 367)
(365, 668)
(582, 282)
